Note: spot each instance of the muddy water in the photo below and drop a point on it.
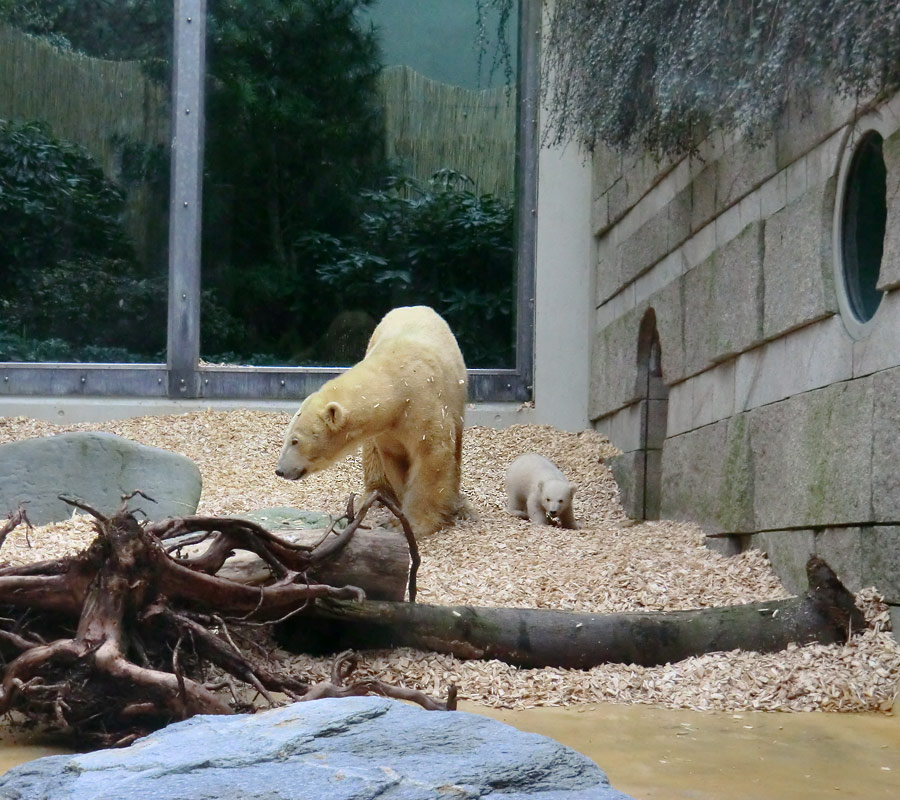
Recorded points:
(17, 748)
(660, 754)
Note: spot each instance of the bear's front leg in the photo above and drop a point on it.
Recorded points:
(567, 519)
(373, 472)
(536, 511)
(515, 503)
(517, 512)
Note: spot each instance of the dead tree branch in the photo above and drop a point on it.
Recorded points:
(121, 638)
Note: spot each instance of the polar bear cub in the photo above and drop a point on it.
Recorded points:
(538, 491)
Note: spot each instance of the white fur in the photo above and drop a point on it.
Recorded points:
(538, 491)
(404, 404)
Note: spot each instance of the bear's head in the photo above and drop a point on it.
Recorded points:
(315, 439)
(556, 497)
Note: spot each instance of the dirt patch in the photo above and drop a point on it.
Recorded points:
(605, 566)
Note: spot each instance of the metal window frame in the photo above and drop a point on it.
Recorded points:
(183, 376)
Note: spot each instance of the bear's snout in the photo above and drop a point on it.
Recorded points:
(294, 477)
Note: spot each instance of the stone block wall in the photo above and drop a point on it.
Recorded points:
(781, 420)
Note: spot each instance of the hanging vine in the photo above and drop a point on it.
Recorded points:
(661, 74)
(501, 50)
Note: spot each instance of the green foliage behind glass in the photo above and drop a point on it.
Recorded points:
(291, 236)
(55, 202)
(69, 285)
(120, 30)
(292, 132)
(435, 243)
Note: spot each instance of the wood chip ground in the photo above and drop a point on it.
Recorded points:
(606, 566)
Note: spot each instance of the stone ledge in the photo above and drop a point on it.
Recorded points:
(72, 410)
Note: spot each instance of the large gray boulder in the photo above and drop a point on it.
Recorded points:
(359, 748)
(97, 468)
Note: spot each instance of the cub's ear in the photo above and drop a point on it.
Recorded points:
(540, 486)
(335, 415)
(573, 489)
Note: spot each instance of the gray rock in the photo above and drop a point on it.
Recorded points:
(667, 305)
(742, 168)
(707, 477)
(628, 471)
(703, 196)
(285, 519)
(894, 612)
(806, 117)
(97, 468)
(841, 548)
(360, 748)
(614, 371)
(647, 245)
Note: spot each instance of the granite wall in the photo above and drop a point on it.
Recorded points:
(780, 419)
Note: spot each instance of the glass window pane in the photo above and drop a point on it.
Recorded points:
(359, 156)
(84, 173)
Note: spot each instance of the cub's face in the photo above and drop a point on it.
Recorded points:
(556, 497)
(315, 439)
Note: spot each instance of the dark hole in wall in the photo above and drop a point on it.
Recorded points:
(863, 226)
(654, 415)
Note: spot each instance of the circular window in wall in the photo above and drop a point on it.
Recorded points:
(860, 221)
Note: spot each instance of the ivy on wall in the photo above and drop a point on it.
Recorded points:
(661, 74)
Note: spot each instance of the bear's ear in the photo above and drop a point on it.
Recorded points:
(540, 486)
(573, 489)
(335, 415)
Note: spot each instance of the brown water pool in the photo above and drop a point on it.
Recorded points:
(663, 754)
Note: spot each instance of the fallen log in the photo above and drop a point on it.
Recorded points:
(544, 638)
(376, 561)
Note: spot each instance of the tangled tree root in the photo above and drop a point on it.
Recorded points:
(124, 638)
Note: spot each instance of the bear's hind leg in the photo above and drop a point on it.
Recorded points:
(432, 496)
(516, 506)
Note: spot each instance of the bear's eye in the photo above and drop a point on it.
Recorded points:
(295, 441)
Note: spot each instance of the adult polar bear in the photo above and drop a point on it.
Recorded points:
(404, 403)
